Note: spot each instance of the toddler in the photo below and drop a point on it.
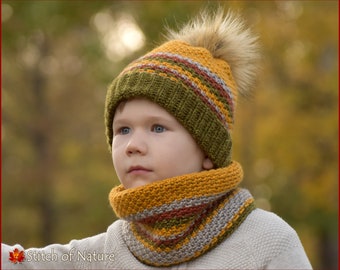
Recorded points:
(169, 116)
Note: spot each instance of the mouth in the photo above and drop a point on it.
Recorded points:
(138, 170)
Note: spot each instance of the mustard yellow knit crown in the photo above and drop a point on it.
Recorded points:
(196, 76)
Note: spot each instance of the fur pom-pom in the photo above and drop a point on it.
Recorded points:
(226, 37)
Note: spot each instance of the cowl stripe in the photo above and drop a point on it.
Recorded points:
(158, 241)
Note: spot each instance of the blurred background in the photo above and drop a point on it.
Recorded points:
(58, 58)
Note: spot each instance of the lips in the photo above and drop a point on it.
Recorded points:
(138, 170)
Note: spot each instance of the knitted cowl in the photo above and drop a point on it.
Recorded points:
(178, 219)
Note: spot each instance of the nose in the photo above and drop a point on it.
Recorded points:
(136, 144)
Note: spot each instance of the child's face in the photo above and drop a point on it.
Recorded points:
(149, 144)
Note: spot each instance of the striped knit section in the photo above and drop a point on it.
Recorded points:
(196, 220)
(205, 237)
(200, 70)
(207, 85)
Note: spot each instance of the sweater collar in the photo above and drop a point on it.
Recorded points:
(178, 219)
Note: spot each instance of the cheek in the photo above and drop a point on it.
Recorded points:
(190, 148)
(116, 155)
(114, 161)
(113, 157)
(116, 158)
(118, 165)
(185, 152)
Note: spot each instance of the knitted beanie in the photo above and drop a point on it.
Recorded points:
(196, 75)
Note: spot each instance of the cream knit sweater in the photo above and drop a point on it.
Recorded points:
(262, 241)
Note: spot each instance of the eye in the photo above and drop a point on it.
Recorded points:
(158, 128)
(123, 130)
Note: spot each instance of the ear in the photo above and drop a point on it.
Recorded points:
(207, 164)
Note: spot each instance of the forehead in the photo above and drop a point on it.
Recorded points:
(140, 106)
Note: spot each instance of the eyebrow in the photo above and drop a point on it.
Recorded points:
(152, 118)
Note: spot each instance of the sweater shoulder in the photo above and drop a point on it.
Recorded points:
(260, 240)
(268, 236)
(269, 229)
(267, 221)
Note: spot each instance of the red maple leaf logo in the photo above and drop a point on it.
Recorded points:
(16, 256)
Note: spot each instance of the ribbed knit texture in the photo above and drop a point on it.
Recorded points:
(179, 219)
(189, 83)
